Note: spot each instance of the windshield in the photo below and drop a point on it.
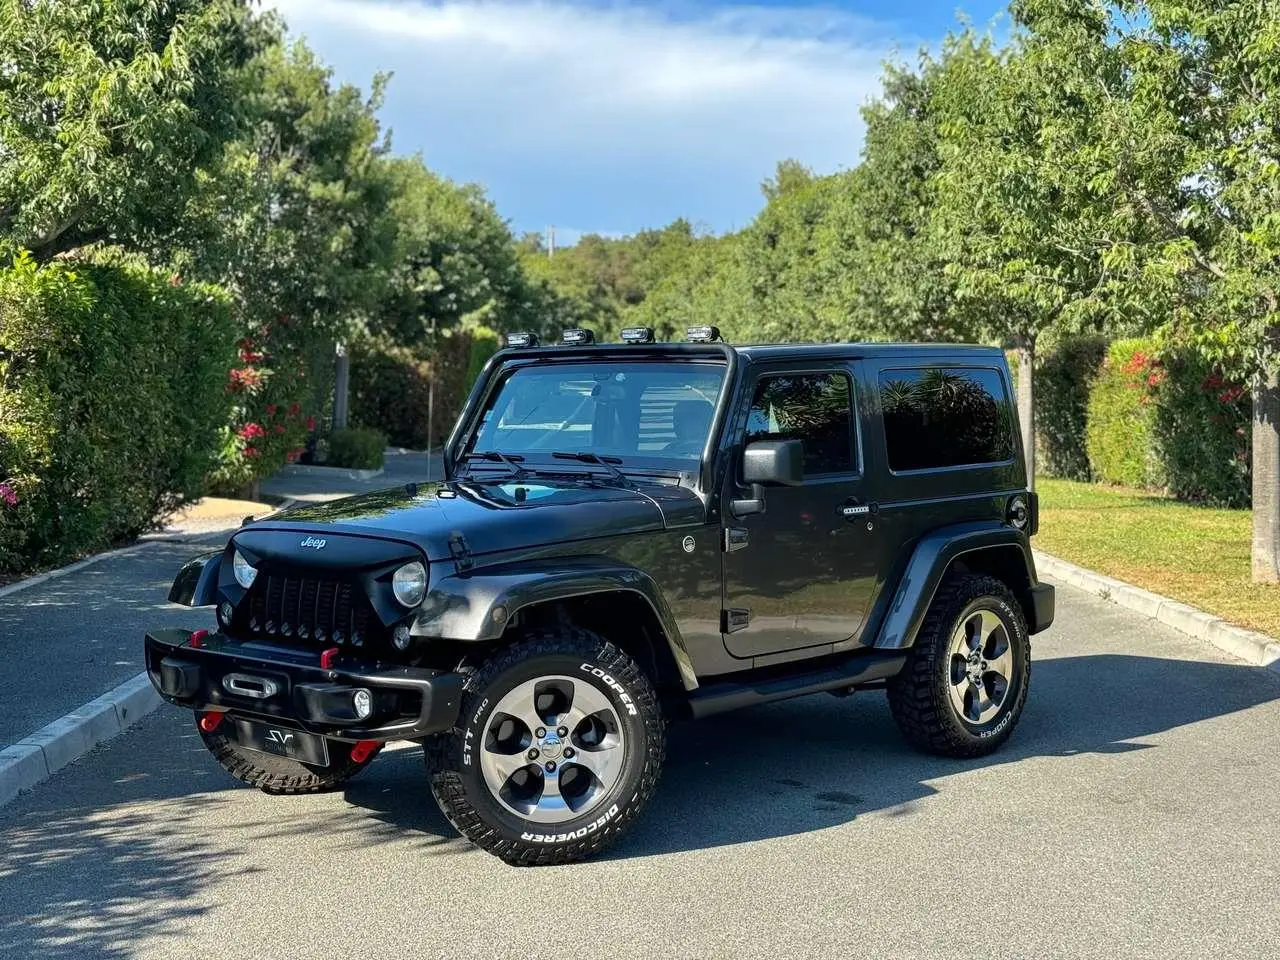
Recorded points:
(643, 413)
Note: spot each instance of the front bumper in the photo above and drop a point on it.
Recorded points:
(282, 684)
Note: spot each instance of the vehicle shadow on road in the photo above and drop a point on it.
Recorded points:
(815, 763)
(122, 847)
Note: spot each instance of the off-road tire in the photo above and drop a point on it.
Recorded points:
(280, 775)
(457, 781)
(919, 696)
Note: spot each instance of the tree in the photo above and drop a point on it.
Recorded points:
(1186, 148)
(1019, 225)
(107, 112)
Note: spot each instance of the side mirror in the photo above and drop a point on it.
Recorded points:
(779, 462)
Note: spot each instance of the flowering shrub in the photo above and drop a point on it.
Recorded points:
(1162, 417)
(111, 377)
(268, 427)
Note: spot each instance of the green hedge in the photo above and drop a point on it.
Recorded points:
(1162, 417)
(1064, 376)
(358, 448)
(390, 384)
(1120, 436)
(112, 393)
(1201, 431)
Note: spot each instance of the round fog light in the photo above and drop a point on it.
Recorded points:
(400, 637)
(362, 703)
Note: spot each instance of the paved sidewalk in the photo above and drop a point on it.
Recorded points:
(67, 640)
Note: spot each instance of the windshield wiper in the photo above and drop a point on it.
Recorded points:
(495, 456)
(606, 462)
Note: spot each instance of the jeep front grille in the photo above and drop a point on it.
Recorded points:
(309, 611)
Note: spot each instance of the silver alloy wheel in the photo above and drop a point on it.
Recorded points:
(980, 666)
(552, 749)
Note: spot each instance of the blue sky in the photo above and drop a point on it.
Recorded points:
(616, 116)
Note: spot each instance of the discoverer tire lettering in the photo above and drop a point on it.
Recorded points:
(458, 780)
(918, 696)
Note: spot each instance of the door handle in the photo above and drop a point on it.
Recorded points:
(854, 510)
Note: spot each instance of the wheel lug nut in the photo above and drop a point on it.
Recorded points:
(563, 732)
(568, 753)
(533, 754)
(551, 766)
(540, 732)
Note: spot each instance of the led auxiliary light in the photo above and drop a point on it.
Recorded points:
(362, 703)
(245, 571)
(637, 335)
(702, 334)
(577, 336)
(409, 583)
(522, 339)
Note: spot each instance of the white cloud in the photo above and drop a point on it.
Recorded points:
(563, 104)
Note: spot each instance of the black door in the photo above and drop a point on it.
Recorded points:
(802, 573)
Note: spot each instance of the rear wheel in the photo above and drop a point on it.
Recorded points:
(966, 679)
(273, 774)
(559, 744)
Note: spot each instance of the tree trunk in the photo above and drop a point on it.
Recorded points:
(341, 388)
(1266, 479)
(1025, 350)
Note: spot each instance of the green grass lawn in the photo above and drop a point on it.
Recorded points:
(1199, 555)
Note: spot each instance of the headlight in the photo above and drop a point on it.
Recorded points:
(244, 570)
(409, 584)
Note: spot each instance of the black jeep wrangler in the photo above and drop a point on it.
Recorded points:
(626, 535)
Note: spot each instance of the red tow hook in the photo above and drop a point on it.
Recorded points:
(364, 749)
(197, 638)
(209, 721)
(327, 658)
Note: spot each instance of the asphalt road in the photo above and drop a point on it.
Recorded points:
(1134, 814)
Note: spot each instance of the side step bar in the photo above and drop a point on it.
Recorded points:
(866, 667)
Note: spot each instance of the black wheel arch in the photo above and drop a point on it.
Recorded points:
(991, 549)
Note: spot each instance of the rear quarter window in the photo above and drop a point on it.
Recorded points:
(937, 417)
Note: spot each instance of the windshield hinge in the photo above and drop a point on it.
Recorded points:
(460, 552)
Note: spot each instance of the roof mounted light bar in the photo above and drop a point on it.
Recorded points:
(522, 339)
(576, 336)
(706, 333)
(637, 335)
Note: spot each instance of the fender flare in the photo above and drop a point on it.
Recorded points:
(461, 606)
(196, 584)
(929, 562)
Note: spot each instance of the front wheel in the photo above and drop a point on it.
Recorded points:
(966, 679)
(559, 744)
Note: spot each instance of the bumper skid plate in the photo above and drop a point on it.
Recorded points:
(257, 680)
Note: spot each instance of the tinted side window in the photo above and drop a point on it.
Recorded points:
(945, 417)
(813, 407)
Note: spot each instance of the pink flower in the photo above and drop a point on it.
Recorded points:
(311, 423)
(279, 428)
(251, 431)
(8, 494)
(271, 409)
(250, 451)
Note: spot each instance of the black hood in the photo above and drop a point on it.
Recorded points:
(497, 515)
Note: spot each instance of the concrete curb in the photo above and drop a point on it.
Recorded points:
(1247, 645)
(37, 757)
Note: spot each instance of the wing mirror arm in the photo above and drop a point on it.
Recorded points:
(750, 506)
